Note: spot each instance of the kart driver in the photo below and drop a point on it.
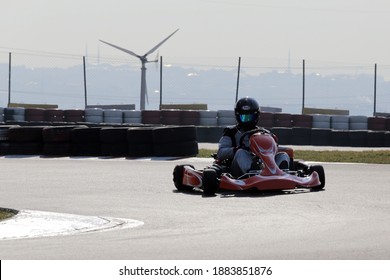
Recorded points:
(247, 113)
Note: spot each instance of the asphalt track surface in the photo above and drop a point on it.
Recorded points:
(350, 219)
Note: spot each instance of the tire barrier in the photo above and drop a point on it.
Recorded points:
(339, 122)
(321, 121)
(85, 141)
(284, 135)
(54, 115)
(375, 138)
(320, 137)
(170, 117)
(302, 120)
(4, 138)
(357, 138)
(37, 116)
(1, 114)
(151, 117)
(25, 140)
(57, 140)
(266, 120)
(209, 134)
(226, 117)
(132, 117)
(94, 115)
(386, 140)
(74, 115)
(113, 116)
(113, 141)
(14, 114)
(301, 136)
(376, 123)
(339, 138)
(179, 141)
(140, 142)
(34, 115)
(358, 123)
(208, 118)
(283, 120)
(190, 117)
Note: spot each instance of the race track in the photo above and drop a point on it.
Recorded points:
(350, 219)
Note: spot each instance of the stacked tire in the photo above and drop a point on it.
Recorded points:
(54, 115)
(4, 138)
(226, 118)
(340, 122)
(321, 121)
(113, 141)
(132, 117)
(1, 114)
(175, 141)
(94, 115)
(34, 115)
(266, 120)
(208, 118)
(358, 123)
(113, 116)
(57, 140)
(14, 114)
(74, 115)
(85, 141)
(25, 140)
(140, 142)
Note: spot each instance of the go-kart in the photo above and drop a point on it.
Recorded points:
(269, 177)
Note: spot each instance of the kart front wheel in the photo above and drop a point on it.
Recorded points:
(210, 181)
(321, 173)
(178, 178)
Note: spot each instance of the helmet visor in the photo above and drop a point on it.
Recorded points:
(247, 118)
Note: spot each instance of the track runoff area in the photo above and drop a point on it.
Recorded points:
(169, 267)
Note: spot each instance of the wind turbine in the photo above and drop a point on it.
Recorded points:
(144, 60)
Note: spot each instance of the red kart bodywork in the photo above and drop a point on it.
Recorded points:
(270, 177)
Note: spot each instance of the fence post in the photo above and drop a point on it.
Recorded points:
(238, 77)
(375, 70)
(303, 86)
(85, 83)
(9, 79)
(161, 81)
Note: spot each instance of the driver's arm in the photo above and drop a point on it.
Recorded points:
(225, 148)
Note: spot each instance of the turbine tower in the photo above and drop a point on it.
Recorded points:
(144, 60)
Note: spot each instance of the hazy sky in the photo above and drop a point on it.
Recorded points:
(350, 32)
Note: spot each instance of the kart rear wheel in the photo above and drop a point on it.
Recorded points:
(210, 181)
(178, 178)
(321, 172)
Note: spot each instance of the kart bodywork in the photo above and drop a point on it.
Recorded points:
(216, 177)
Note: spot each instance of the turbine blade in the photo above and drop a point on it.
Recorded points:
(162, 42)
(121, 49)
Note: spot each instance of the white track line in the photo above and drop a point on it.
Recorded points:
(30, 224)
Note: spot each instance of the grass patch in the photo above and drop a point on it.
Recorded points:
(379, 157)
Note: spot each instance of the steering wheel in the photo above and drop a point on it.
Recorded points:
(253, 131)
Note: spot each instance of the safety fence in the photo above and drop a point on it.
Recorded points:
(63, 79)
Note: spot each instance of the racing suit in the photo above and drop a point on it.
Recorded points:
(241, 158)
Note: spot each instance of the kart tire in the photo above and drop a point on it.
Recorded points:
(210, 181)
(178, 178)
(321, 172)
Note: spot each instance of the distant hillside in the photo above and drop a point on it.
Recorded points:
(107, 84)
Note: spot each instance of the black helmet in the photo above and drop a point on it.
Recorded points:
(247, 112)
